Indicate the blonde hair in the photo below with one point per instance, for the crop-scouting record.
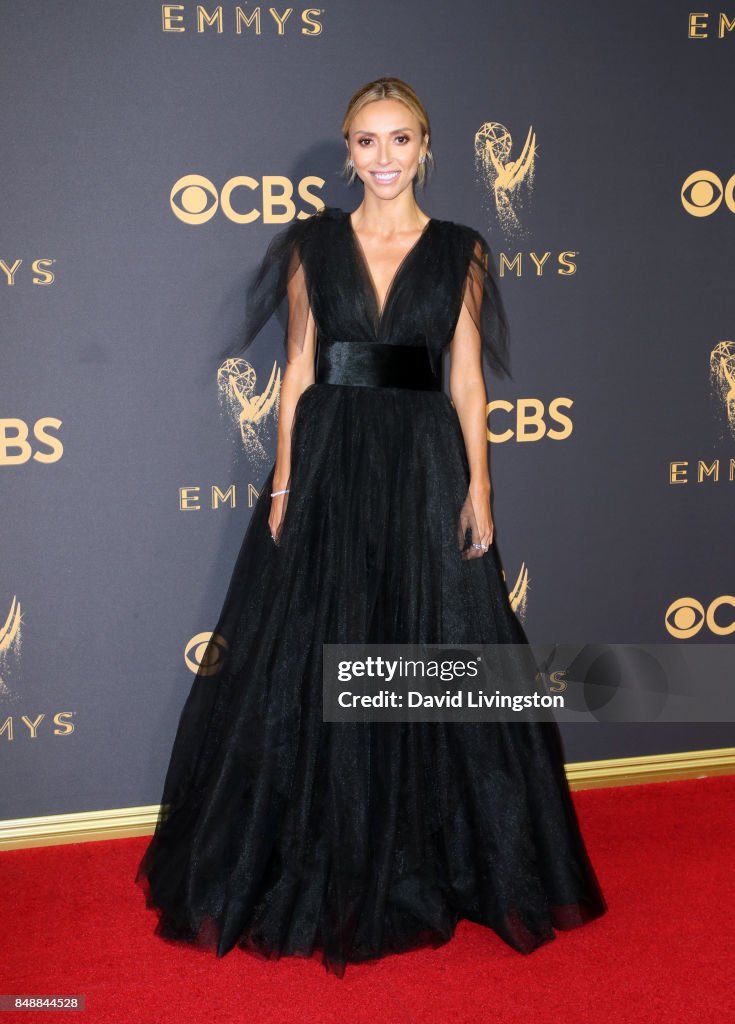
(388, 89)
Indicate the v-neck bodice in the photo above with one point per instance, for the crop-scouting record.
(316, 267)
(362, 258)
(424, 297)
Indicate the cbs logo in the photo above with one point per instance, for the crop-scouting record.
(702, 194)
(532, 419)
(686, 616)
(15, 444)
(194, 199)
(205, 654)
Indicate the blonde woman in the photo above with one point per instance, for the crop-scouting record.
(282, 833)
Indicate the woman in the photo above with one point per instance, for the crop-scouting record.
(285, 834)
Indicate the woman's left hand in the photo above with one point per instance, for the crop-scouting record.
(477, 517)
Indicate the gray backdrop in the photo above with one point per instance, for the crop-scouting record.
(110, 403)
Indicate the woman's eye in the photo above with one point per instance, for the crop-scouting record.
(398, 138)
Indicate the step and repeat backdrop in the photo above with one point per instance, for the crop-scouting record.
(150, 152)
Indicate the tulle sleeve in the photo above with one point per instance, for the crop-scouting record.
(481, 297)
(279, 286)
(484, 302)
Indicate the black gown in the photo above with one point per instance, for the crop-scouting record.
(284, 834)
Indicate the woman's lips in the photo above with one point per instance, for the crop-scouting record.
(385, 177)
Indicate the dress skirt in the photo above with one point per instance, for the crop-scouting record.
(284, 834)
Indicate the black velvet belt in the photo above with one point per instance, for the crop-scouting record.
(374, 364)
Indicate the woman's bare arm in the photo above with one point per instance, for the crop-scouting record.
(298, 375)
(469, 396)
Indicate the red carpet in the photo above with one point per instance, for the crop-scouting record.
(664, 853)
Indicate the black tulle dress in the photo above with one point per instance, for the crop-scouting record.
(287, 835)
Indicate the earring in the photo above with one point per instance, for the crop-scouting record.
(350, 164)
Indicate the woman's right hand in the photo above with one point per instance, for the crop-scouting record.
(277, 512)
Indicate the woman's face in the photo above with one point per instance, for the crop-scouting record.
(385, 144)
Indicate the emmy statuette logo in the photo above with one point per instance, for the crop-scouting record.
(722, 379)
(26, 725)
(507, 184)
(714, 469)
(255, 415)
(518, 596)
(10, 643)
(253, 412)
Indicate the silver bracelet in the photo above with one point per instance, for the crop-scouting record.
(274, 493)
